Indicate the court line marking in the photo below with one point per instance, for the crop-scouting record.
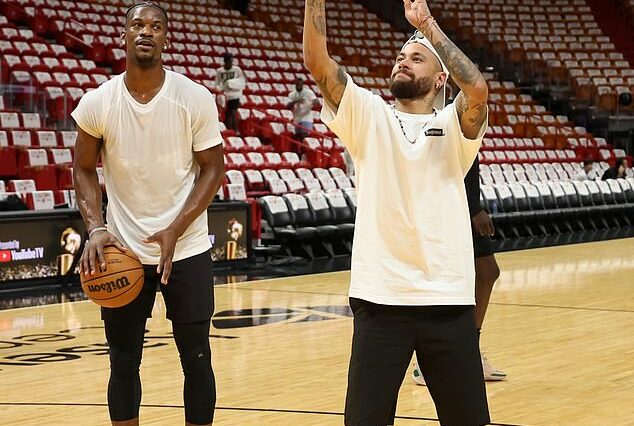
(575, 308)
(527, 305)
(270, 410)
(276, 279)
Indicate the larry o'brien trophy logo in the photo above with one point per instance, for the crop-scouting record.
(70, 242)
(234, 231)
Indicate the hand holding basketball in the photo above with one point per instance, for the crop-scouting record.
(116, 284)
(92, 259)
(166, 239)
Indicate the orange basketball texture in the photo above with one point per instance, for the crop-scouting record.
(119, 284)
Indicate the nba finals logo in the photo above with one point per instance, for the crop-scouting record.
(70, 243)
(234, 230)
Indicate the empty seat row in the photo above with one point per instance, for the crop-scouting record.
(538, 208)
(312, 224)
(258, 183)
(38, 138)
(42, 200)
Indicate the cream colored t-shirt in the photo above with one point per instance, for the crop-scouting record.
(148, 158)
(412, 241)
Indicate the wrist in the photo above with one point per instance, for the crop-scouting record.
(96, 230)
(176, 228)
(426, 24)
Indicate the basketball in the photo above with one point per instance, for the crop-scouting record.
(119, 284)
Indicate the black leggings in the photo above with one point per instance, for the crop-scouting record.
(124, 387)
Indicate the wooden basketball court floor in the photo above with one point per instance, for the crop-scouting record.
(561, 323)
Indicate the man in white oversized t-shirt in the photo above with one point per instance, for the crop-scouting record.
(412, 279)
(158, 135)
(302, 101)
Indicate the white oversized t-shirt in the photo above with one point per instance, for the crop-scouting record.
(303, 107)
(148, 158)
(412, 240)
(231, 81)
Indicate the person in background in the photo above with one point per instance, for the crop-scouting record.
(617, 171)
(302, 101)
(587, 173)
(231, 81)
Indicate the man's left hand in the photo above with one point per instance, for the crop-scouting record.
(166, 240)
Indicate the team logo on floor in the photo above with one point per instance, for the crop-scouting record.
(35, 349)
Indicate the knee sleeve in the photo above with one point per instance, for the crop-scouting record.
(124, 386)
(124, 364)
(195, 356)
(196, 362)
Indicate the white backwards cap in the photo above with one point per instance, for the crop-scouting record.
(418, 37)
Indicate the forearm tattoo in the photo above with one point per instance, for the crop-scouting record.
(332, 88)
(317, 13)
(463, 71)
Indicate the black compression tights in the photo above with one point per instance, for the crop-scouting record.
(124, 387)
(199, 390)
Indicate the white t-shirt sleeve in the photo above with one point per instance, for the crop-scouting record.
(205, 124)
(355, 112)
(89, 114)
(468, 148)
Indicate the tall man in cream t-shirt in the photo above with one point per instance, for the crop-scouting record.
(158, 135)
(412, 280)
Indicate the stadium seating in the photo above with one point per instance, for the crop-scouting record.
(559, 41)
(528, 158)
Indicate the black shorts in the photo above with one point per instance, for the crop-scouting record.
(189, 294)
(445, 341)
(482, 246)
(233, 105)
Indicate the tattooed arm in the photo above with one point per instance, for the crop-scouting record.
(330, 76)
(471, 103)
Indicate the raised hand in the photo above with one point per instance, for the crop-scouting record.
(417, 12)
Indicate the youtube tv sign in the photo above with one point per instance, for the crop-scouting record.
(36, 246)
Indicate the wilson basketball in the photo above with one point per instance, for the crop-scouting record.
(119, 284)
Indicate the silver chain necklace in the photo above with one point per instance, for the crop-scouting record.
(403, 127)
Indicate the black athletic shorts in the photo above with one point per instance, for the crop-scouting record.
(189, 294)
(482, 246)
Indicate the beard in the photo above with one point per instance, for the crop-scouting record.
(411, 89)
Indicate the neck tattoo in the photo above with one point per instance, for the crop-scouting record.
(403, 127)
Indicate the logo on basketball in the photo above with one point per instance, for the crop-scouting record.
(108, 287)
(119, 283)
